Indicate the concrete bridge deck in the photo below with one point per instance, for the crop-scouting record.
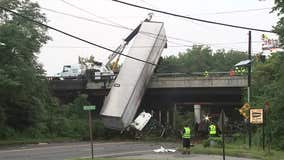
(157, 82)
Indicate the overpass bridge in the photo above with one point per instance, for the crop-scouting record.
(166, 93)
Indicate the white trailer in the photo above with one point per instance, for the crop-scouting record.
(123, 100)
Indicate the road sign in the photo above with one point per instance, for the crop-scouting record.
(243, 110)
(86, 108)
(256, 116)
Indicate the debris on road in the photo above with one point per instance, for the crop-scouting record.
(162, 149)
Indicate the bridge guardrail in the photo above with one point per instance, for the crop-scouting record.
(192, 74)
(195, 74)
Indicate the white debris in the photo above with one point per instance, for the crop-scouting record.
(42, 143)
(162, 149)
(141, 121)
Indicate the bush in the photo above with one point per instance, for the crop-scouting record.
(212, 141)
(7, 132)
(206, 143)
(99, 129)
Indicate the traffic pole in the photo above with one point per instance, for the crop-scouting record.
(91, 133)
(223, 134)
(263, 127)
(249, 82)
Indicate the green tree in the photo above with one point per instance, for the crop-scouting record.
(200, 59)
(279, 28)
(268, 83)
(24, 96)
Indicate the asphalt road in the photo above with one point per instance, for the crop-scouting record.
(76, 150)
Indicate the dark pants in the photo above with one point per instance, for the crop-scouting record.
(186, 142)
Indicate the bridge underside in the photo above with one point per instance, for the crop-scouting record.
(210, 99)
(168, 95)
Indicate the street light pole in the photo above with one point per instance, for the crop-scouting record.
(249, 81)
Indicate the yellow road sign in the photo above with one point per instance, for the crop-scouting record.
(243, 110)
(256, 116)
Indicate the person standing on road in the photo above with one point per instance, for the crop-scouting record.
(212, 130)
(186, 137)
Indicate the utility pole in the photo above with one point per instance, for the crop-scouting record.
(249, 82)
(223, 133)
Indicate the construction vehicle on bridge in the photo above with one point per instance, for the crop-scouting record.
(87, 69)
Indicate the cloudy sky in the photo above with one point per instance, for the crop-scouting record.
(103, 22)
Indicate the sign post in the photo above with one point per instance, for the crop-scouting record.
(89, 109)
(256, 117)
(223, 133)
(267, 106)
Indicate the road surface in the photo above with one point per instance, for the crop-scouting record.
(76, 150)
(125, 150)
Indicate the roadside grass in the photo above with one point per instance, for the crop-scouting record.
(105, 159)
(239, 151)
(22, 141)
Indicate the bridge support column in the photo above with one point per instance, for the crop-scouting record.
(197, 113)
(168, 117)
(174, 116)
(160, 117)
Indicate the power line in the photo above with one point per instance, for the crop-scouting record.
(235, 11)
(169, 46)
(73, 36)
(118, 26)
(82, 18)
(149, 4)
(88, 12)
(192, 18)
(173, 46)
(113, 25)
(122, 26)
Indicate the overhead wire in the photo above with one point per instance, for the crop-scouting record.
(235, 11)
(192, 18)
(113, 22)
(88, 12)
(169, 46)
(82, 18)
(114, 25)
(119, 26)
(73, 36)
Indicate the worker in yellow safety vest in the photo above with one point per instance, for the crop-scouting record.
(206, 74)
(186, 137)
(212, 130)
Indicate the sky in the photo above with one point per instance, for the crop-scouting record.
(106, 22)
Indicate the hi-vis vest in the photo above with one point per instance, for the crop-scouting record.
(212, 129)
(186, 133)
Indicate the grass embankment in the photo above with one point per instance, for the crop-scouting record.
(105, 159)
(240, 151)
